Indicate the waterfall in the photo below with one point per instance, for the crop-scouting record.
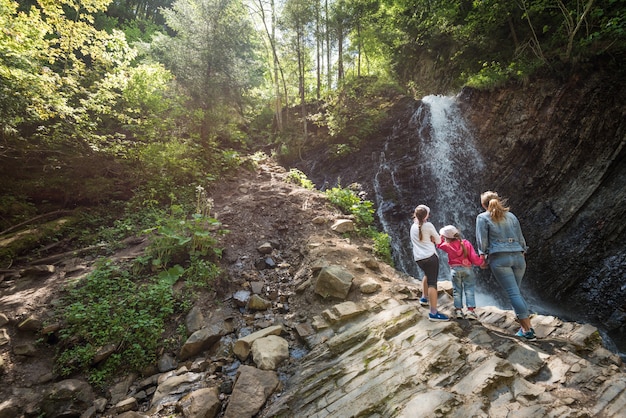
(430, 159)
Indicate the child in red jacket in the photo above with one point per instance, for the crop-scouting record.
(461, 257)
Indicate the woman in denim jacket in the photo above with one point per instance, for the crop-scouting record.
(500, 241)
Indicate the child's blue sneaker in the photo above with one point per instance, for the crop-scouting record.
(438, 317)
(528, 335)
(424, 301)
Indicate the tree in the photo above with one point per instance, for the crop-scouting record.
(297, 20)
(277, 74)
(212, 55)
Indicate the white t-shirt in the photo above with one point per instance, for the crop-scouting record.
(425, 247)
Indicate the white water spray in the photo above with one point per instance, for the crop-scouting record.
(437, 150)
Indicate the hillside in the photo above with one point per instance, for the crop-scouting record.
(371, 353)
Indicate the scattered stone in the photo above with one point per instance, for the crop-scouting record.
(30, 324)
(333, 281)
(269, 352)
(257, 303)
(167, 363)
(38, 271)
(371, 264)
(369, 286)
(103, 353)
(26, 349)
(265, 248)
(250, 392)
(202, 339)
(119, 390)
(257, 287)
(342, 226)
(175, 387)
(4, 337)
(51, 328)
(66, 398)
(241, 297)
(269, 263)
(201, 403)
(194, 320)
(243, 345)
(129, 404)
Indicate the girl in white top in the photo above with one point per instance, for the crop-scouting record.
(424, 236)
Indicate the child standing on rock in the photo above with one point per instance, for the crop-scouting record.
(461, 257)
(424, 237)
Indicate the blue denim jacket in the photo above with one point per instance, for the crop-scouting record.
(499, 237)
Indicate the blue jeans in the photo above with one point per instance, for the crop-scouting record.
(509, 269)
(463, 281)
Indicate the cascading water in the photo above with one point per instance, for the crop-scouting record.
(432, 160)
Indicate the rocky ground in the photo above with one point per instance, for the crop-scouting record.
(363, 350)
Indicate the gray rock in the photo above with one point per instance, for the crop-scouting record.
(194, 320)
(250, 392)
(201, 340)
(269, 352)
(201, 403)
(257, 303)
(167, 363)
(342, 226)
(67, 397)
(243, 345)
(333, 281)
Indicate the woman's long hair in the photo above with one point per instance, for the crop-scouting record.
(496, 206)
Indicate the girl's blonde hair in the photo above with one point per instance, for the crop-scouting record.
(496, 206)
(420, 214)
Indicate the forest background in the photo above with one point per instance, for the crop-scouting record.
(125, 112)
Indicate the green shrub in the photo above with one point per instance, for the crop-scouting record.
(298, 177)
(382, 245)
(111, 307)
(356, 110)
(351, 204)
(129, 305)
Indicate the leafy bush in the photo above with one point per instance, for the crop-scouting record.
(298, 177)
(129, 305)
(111, 307)
(351, 204)
(356, 111)
(382, 245)
(493, 74)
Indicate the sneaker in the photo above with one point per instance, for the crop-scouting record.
(438, 317)
(424, 301)
(471, 314)
(528, 335)
(459, 313)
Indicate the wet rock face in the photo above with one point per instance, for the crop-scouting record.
(556, 149)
